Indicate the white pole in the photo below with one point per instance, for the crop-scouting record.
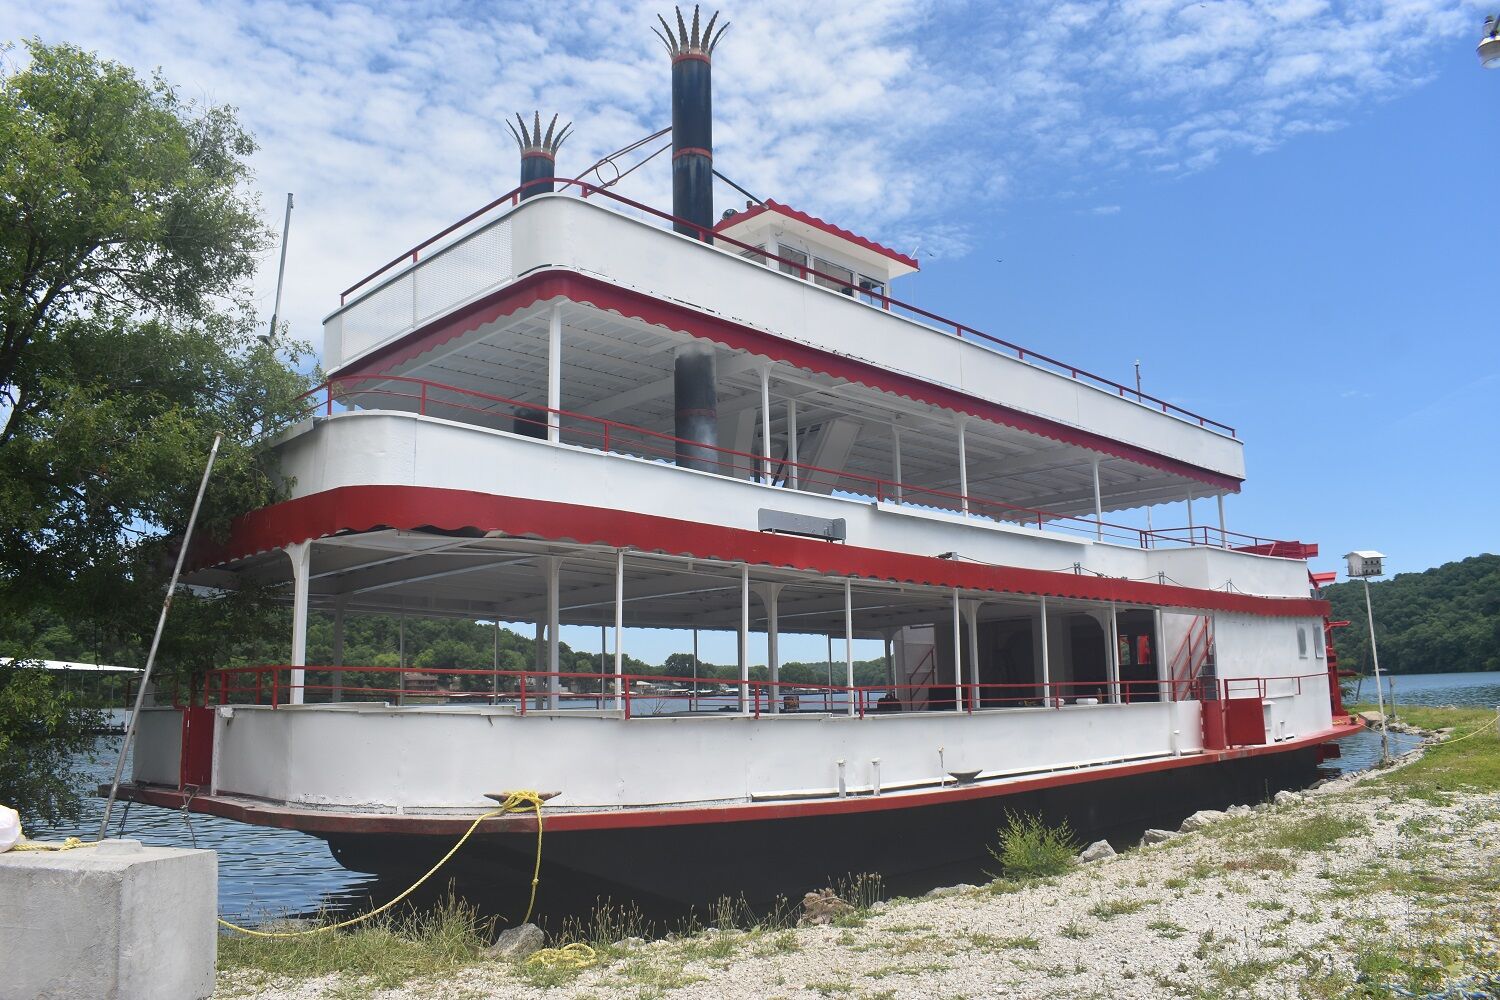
(286, 229)
(770, 596)
(973, 617)
(1223, 532)
(338, 650)
(765, 425)
(693, 701)
(827, 694)
(301, 555)
(963, 466)
(1047, 698)
(791, 442)
(161, 623)
(401, 659)
(554, 682)
(495, 668)
(619, 628)
(1385, 740)
(554, 373)
(1114, 655)
(1191, 526)
(603, 653)
(896, 462)
(958, 655)
(744, 637)
(1098, 504)
(849, 642)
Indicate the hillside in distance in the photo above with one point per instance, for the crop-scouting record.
(1442, 620)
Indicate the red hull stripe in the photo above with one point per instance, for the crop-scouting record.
(323, 822)
(408, 508)
(549, 284)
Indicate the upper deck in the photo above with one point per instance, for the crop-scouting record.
(469, 311)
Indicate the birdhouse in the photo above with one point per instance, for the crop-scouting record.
(1366, 563)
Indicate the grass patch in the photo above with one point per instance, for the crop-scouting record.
(1318, 832)
(990, 942)
(383, 953)
(1167, 929)
(1108, 909)
(1075, 931)
(1472, 765)
(1260, 861)
(1030, 849)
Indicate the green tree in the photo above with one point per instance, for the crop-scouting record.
(127, 235)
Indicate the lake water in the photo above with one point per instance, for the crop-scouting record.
(278, 872)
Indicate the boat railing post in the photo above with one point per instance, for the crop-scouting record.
(523, 692)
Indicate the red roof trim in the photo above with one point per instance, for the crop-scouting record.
(817, 223)
(409, 508)
(540, 286)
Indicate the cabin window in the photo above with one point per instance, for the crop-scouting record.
(1302, 641)
(845, 282)
(793, 261)
(870, 290)
(758, 254)
(1317, 645)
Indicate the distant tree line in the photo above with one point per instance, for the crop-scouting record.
(1442, 620)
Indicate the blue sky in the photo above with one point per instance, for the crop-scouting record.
(1283, 208)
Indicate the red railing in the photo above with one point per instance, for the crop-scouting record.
(487, 409)
(531, 689)
(962, 331)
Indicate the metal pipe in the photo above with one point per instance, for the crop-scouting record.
(1046, 659)
(963, 466)
(791, 442)
(958, 655)
(765, 426)
(744, 635)
(1098, 504)
(301, 555)
(286, 229)
(161, 623)
(1385, 738)
(619, 628)
(554, 374)
(849, 641)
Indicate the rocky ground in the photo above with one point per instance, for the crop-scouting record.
(1361, 887)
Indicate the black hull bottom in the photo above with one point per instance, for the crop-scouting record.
(670, 869)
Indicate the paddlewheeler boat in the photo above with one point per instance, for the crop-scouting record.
(574, 409)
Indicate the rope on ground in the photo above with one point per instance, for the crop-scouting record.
(514, 802)
(1460, 739)
(570, 956)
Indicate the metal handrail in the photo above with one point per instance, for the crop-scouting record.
(609, 434)
(754, 697)
(707, 234)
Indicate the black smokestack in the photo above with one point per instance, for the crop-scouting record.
(538, 152)
(692, 120)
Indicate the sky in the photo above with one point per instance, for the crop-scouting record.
(1283, 209)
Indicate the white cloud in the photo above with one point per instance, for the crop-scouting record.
(887, 116)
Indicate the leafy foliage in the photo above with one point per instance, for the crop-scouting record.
(43, 730)
(1441, 620)
(127, 235)
(1030, 848)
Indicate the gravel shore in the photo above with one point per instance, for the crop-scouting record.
(1308, 898)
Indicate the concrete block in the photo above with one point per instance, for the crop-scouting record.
(115, 921)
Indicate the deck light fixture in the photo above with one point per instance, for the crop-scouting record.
(1364, 564)
(1489, 45)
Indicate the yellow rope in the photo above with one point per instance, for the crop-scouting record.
(570, 956)
(514, 802)
(66, 845)
(1460, 739)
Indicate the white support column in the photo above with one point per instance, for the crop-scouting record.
(603, 668)
(849, 642)
(338, 650)
(619, 629)
(1191, 526)
(765, 425)
(770, 596)
(896, 462)
(971, 612)
(1223, 532)
(495, 667)
(791, 443)
(693, 701)
(1158, 658)
(1098, 504)
(744, 637)
(553, 568)
(890, 662)
(963, 465)
(554, 373)
(301, 555)
(1114, 655)
(958, 654)
(1047, 695)
(401, 659)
